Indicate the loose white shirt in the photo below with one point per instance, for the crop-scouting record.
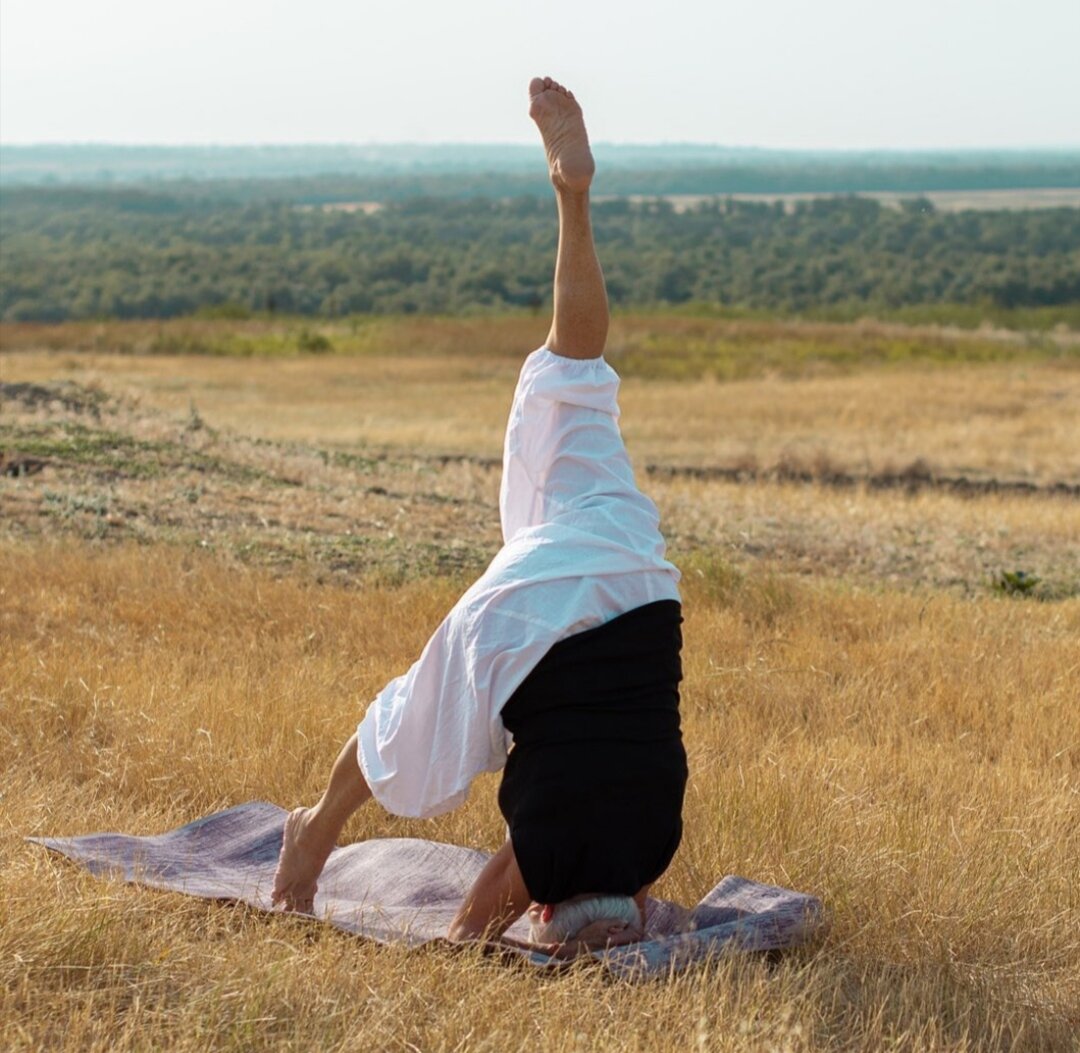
(582, 545)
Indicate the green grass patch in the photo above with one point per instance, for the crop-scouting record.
(699, 352)
(727, 344)
(119, 454)
(968, 316)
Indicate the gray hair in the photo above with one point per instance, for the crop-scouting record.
(572, 915)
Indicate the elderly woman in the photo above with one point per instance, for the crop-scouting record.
(566, 649)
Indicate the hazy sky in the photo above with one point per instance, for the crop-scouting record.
(784, 73)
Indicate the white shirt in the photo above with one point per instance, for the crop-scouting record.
(582, 545)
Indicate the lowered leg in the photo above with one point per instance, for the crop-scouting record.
(311, 833)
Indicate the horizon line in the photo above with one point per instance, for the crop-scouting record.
(495, 144)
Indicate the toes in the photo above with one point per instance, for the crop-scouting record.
(292, 902)
(538, 85)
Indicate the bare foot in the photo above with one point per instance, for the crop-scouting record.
(303, 856)
(558, 116)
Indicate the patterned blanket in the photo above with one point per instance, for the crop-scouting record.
(402, 890)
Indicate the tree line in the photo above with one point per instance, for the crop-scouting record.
(78, 252)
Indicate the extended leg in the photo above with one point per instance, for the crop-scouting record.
(311, 833)
(580, 323)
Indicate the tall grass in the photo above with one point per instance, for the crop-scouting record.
(911, 757)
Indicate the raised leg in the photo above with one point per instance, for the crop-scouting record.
(580, 323)
(311, 833)
(578, 330)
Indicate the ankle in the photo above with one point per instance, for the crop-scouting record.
(320, 829)
(577, 199)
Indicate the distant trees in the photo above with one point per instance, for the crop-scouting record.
(133, 252)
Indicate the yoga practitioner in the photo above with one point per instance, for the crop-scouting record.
(567, 646)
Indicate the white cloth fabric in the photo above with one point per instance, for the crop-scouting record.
(581, 545)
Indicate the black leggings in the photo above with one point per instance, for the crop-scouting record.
(593, 788)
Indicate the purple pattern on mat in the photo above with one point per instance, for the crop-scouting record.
(405, 890)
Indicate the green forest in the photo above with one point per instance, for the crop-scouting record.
(140, 251)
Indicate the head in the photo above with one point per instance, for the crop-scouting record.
(594, 921)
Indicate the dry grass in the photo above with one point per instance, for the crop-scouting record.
(913, 759)
(920, 540)
(192, 617)
(1012, 420)
(114, 471)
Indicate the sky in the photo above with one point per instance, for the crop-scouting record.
(835, 74)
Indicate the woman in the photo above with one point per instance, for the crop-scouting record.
(568, 645)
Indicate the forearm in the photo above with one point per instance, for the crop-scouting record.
(496, 900)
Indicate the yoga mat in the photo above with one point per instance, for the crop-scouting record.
(404, 890)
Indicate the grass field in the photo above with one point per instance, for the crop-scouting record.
(214, 549)
(942, 200)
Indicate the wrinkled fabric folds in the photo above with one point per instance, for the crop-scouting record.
(582, 545)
